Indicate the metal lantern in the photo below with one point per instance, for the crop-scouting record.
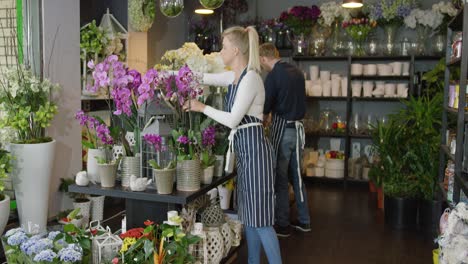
(155, 118)
(198, 250)
(106, 247)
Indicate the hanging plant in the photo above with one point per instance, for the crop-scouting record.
(141, 14)
(171, 8)
(211, 4)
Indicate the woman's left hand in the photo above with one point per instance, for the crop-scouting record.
(194, 105)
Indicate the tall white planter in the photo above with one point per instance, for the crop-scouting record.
(32, 169)
(224, 197)
(92, 165)
(4, 213)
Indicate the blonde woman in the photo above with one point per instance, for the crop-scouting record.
(243, 113)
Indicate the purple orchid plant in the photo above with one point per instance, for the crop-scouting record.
(97, 132)
(300, 19)
(156, 142)
(208, 142)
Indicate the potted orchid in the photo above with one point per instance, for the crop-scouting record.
(98, 140)
(390, 15)
(163, 165)
(207, 156)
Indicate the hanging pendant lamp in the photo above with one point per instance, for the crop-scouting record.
(352, 3)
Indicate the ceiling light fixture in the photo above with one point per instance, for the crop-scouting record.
(204, 11)
(352, 3)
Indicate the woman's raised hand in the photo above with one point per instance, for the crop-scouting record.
(194, 105)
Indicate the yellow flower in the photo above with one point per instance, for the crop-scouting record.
(127, 243)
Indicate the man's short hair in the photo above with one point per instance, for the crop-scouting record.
(269, 50)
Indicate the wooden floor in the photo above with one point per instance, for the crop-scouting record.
(347, 228)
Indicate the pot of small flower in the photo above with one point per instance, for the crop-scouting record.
(225, 192)
(107, 171)
(208, 160)
(164, 168)
(5, 168)
(358, 29)
(25, 100)
(188, 162)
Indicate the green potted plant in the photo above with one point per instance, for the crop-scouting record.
(79, 200)
(26, 101)
(5, 169)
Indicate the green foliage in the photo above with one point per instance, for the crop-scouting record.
(155, 165)
(207, 159)
(178, 246)
(408, 147)
(93, 40)
(5, 169)
(25, 100)
(171, 9)
(63, 187)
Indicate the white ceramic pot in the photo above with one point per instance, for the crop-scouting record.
(207, 175)
(326, 86)
(390, 89)
(31, 174)
(107, 174)
(219, 166)
(397, 68)
(317, 88)
(356, 69)
(92, 164)
(164, 180)
(335, 76)
(344, 86)
(130, 166)
(402, 90)
(4, 213)
(314, 72)
(335, 87)
(405, 68)
(384, 69)
(367, 86)
(356, 87)
(370, 69)
(225, 197)
(308, 88)
(324, 75)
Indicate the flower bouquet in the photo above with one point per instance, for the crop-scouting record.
(53, 247)
(331, 12)
(448, 11)
(358, 29)
(300, 19)
(425, 22)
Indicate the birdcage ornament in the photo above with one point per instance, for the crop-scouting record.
(197, 250)
(105, 247)
(213, 215)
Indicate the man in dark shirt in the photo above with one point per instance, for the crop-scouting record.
(285, 101)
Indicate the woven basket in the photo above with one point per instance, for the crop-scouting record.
(188, 175)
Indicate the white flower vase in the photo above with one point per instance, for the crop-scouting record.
(225, 197)
(85, 208)
(31, 172)
(4, 212)
(92, 165)
(207, 175)
(97, 207)
(214, 246)
(219, 166)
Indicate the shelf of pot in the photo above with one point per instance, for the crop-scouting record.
(177, 197)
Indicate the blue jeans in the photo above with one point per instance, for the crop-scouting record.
(286, 169)
(266, 236)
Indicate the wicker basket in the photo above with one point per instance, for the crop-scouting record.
(188, 175)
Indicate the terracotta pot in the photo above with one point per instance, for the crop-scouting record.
(372, 187)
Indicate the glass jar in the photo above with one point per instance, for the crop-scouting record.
(456, 46)
(373, 46)
(339, 126)
(405, 47)
(327, 118)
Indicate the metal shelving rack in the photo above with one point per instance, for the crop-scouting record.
(350, 101)
(459, 23)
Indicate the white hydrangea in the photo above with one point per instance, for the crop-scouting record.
(427, 18)
(445, 8)
(330, 11)
(216, 62)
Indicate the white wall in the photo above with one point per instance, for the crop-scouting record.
(61, 19)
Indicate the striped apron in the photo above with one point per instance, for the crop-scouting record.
(278, 125)
(255, 168)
